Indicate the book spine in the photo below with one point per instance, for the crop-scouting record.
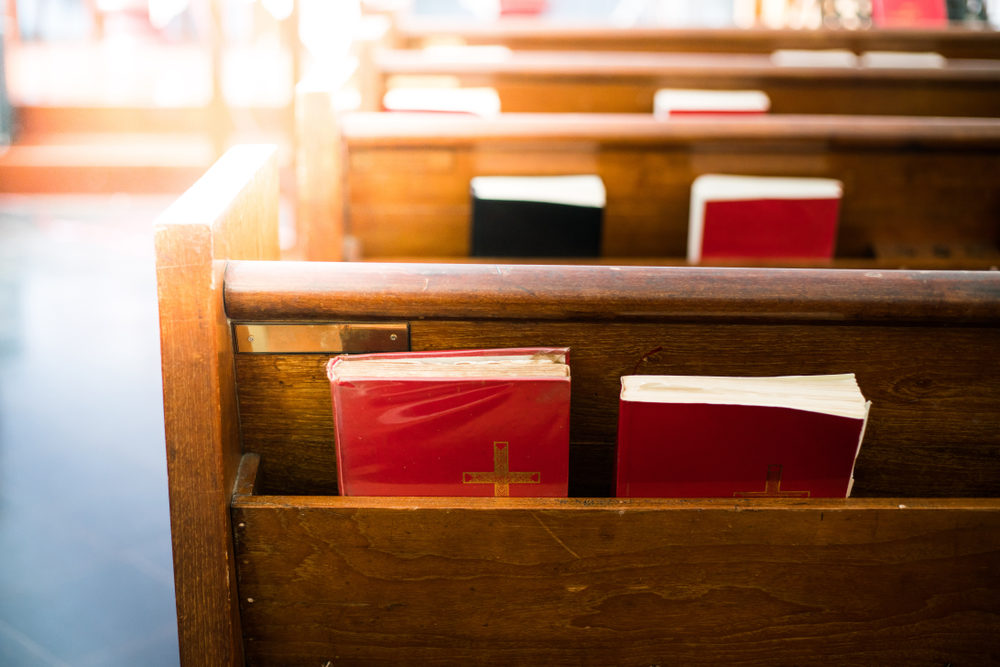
(621, 467)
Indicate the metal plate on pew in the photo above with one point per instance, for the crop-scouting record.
(323, 338)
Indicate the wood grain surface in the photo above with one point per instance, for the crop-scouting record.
(330, 290)
(232, 212)
(319, 196)
(459, 582)
(889, 576)
(911, 186)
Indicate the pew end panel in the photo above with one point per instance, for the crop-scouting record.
(231, 212)
(590, 580)
(319, 209)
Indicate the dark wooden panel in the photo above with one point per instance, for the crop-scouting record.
(603, 583)
(589, 94)
(286, 417)
(934, 429)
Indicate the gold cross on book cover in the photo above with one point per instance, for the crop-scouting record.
(501, 477)
(772, 487)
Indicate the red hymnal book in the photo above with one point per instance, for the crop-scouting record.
(908, 13)
(523, 7)
(452, 423)
(702, 437)
(751, 217)
(682, 102)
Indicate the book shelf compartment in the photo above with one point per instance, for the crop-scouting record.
(370, 577)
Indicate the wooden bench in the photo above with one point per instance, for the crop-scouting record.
(612, 82)
(916, 191)
(541, 35)
(273, 568)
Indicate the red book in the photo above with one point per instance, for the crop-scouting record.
(703, 437)
(750, 217)
(909, 13)
(682, 102)
(453, 423)
(523, 7)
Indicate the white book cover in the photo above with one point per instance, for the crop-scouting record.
(578, 190)
(477, 101)
(903, 60)
(672, 100)
(814, 58)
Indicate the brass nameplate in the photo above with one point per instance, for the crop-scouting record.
(321, 338)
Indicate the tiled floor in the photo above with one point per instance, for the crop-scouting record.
(85, 569)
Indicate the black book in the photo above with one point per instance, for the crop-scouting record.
(966, 10)
(537, 216)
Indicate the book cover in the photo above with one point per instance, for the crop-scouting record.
(968, 10)
(523, 7)
(837, 58)
(482, 102)
(750, 217)
(903, 60)
(681, 102)
(701, 437)
(537, 216)
(909, 13)
(452, 423)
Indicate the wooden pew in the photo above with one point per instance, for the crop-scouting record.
(274, 568)
(527, 34)
(916, 191)
(230, 213)
(610, 82)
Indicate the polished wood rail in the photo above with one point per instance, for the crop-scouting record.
(319, 290)
(415, 129)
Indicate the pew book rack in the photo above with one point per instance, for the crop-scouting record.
(272, 567)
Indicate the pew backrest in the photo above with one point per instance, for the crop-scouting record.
(537, 35)
(231, 213)
(622, 82)
(911, 186)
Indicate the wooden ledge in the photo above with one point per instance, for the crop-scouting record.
(395, 129)
(244, 497)
(284, 291)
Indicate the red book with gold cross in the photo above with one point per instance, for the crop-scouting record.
(739, 437)
(452, 423)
